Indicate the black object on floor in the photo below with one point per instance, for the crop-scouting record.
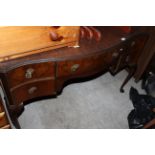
(143, 112)
(148, 84)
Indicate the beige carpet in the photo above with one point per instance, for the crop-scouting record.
(88, 105)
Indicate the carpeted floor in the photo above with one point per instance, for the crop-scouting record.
(95, 104)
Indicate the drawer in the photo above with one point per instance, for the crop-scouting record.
(136, 46)
(3, 116)
(130, 53)
(120, 62)
(6, 127)
(33, 90)
(30, 72)
(87, 65)
(3, 119)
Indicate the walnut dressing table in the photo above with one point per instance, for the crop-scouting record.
(44, 74)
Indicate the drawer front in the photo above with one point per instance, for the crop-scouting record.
(4, 123)
(130, 53)
(33, 90)
(30, 72)
(87, 65)
(136, 46)
(3, 119)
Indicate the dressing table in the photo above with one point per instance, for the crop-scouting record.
(44, 74)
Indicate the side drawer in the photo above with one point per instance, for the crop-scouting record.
(130, 53)
(30, 72)
(4, 123)
(136, 46)
(87, 65)
(33, 90)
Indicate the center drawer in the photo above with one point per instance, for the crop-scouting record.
(30, 72)
(87, 65)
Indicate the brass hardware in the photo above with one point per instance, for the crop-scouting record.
(121, 49)
(75, 67)
(133, 43)
(115, 55)
(127, 58)
(123, 39)
(29, 73)
(2, 115)
(32, 90)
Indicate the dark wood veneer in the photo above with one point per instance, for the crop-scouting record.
(33, 90)
(30, 72)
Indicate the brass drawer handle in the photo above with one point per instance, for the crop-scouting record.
(121, 49)
(123, 39)
(32, 90)
(2, 115)
(75, 67)
(115, 55)
(29, 73)
(133, 43)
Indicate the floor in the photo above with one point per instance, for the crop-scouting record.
(95, 104)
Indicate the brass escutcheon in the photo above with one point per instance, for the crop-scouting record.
(29, 73)
(75, 67)
(32, 90)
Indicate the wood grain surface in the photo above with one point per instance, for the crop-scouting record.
(18, 41)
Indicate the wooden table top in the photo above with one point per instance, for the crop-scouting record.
(110, 38)
(19, 41)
